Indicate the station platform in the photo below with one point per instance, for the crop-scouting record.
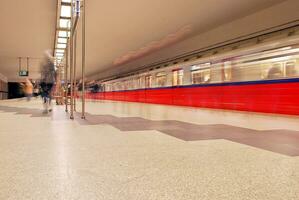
(145, 151)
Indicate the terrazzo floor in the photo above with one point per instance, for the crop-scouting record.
(142, 151)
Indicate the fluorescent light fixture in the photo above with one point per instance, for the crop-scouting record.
(65, 11)
(62, 40)
(279, 59)
(66, 1)
(59, 54)
(63, 34)
(59, 50)
(64, 23)
(61, 46)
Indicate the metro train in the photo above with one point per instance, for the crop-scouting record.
(259, 78)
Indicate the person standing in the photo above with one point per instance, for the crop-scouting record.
(28, 89)
(47, 82)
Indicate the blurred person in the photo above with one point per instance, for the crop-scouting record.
(35, 88)
(28, 89)
(47, 80)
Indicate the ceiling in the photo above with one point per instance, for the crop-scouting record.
(118, 33)
(27, 30)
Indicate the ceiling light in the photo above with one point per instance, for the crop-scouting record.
(63, 34)
(66, 1)
(62, 40)
(64, 23)
(59, 50)
(65, 11)
(61, 46)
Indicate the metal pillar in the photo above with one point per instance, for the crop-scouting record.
(83, 59)
(65, 76)
(71, 62)
(75, 66)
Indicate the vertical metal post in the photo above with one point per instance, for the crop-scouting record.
(83, 59)
(71, 61)
(75, 63)
(20, 64)
(66, 82)
(27, 64)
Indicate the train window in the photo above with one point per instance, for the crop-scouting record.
(161, 79)
(148, 81)
(291, 69)
(125, 85)
(130, 84)
(201, 73)
(177, 77)
(108, 87)
(227, 71)
(250, 72)
(121, 85)
(114, 86)
(275, 71)
(138, 83)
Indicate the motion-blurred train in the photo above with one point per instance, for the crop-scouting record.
(262, 78)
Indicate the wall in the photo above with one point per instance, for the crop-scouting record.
(3, 87)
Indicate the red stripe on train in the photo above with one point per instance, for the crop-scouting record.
(282, 98)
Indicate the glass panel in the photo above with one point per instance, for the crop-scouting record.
(177, 77)
(291, 68)
(148, 81)
(201, 76)
(142, 82)
(258, 71)
(180, 77)
(201, 73)
(227, 71)
(161, 79)
(275, 71)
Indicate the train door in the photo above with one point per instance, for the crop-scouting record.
(177, 77)
(148, 81)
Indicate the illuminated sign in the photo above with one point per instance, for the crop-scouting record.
(23, 73)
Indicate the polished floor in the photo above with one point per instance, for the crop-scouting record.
(142, 151)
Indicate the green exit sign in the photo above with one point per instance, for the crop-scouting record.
(23, 73)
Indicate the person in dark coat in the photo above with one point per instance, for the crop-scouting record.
(48, 76)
